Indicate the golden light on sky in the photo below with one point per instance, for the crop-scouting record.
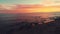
(41, 9)
(30, 6)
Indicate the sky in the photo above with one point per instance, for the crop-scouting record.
(27, 1)
(20, 1)
(37, 5)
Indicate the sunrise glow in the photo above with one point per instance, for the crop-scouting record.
(40, 9)
(30, 6)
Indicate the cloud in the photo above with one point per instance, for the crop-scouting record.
(21, 8)
(7, 7)
(18, 6)
(50, 2)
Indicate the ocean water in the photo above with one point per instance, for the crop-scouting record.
(9, 18)
(11, 23)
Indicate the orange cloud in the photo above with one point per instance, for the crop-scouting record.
(30, 8)
(40, 9)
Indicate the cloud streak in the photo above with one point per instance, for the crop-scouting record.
(21, 8)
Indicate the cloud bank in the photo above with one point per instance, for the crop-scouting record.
(22, 8)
